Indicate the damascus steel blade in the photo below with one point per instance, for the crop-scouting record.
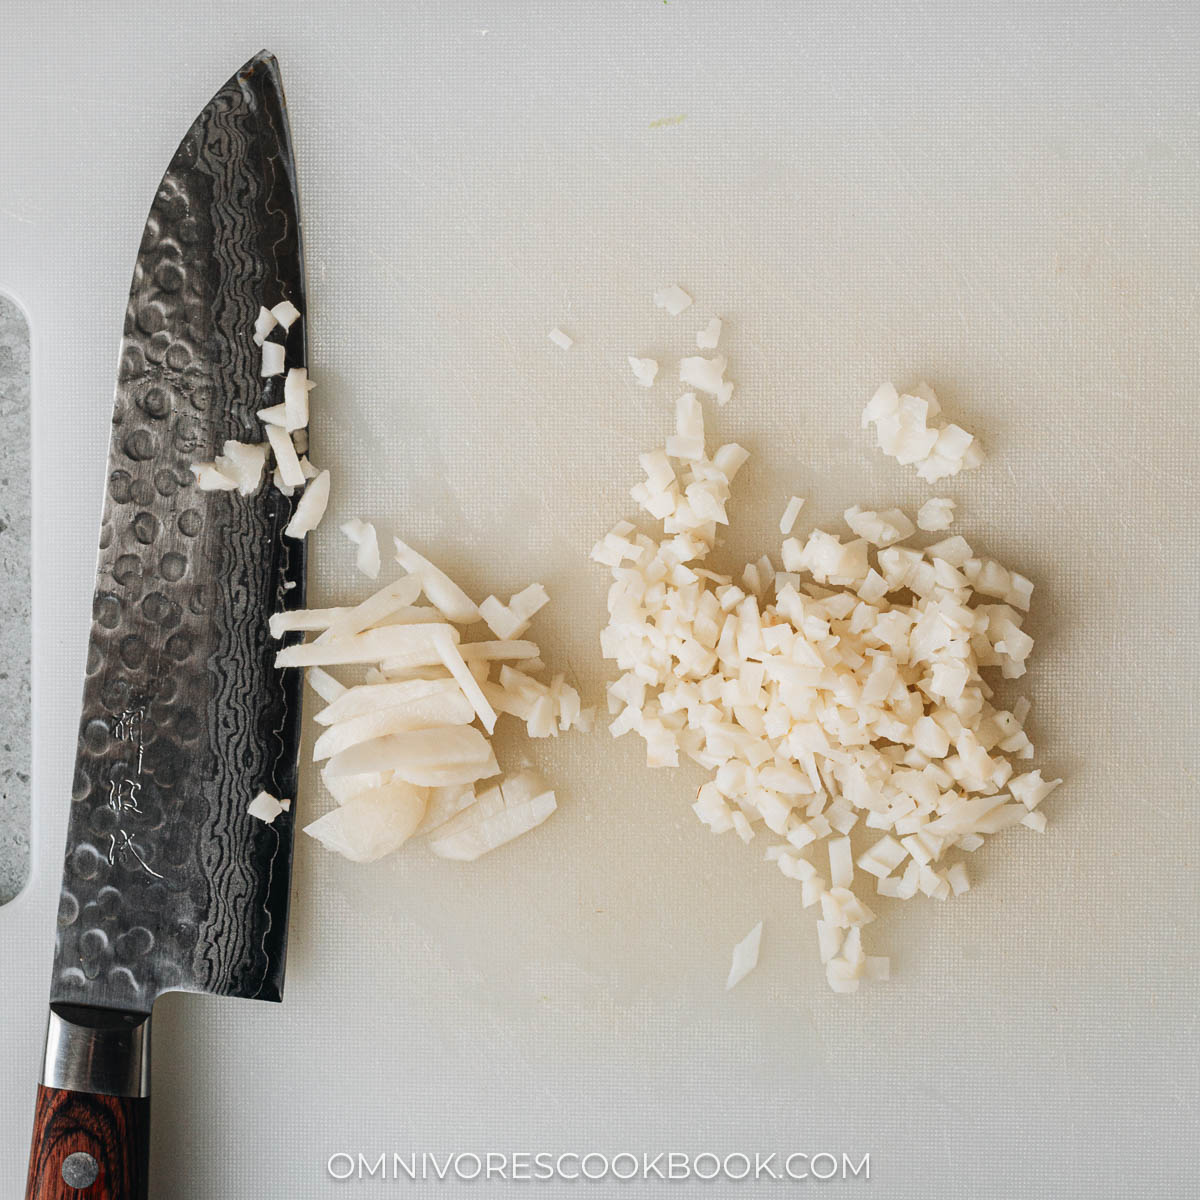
(168, 884)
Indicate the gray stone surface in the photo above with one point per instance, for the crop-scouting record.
(15, 606)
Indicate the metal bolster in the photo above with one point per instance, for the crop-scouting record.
(97, 1050)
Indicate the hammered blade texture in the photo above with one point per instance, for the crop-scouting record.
(167, 883)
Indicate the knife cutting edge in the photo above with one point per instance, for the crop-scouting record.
(168, 884)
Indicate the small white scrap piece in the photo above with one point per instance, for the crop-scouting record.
(285, 312)
(560, 339)
(310, 508)
(644, 370)
(707, 375)
(885, 403)
(528, 601)
(1031, 789)
(266, 807)
(936, 514)
(904, 432)
(741, 823)
(500, 619)
(674, 299)
(363, 535)
(688, 440)
(829, 940)
(708, 337)
(443, 593)
(272, 359)
(955, 450)
(881, 529)
(510, 620)
(210, 479)
(730, 459)
(263, 325)
(286, 461)
(745, 957)
(841, 865)
(296, 387)
(243, 462)
(240, 467)
(790, 513)
(324, 684)
(275, 415)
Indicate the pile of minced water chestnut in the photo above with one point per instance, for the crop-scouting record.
(839, 699)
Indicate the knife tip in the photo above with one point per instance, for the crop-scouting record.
(264, 60)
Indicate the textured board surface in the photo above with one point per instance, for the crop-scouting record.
(999, 201)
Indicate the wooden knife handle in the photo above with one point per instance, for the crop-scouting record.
(88, 1147)
(91, 1130)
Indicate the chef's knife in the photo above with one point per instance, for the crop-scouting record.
(168, 883)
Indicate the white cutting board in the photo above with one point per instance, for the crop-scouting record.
(999, 200)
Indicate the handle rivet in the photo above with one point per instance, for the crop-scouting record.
(80, 1170)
